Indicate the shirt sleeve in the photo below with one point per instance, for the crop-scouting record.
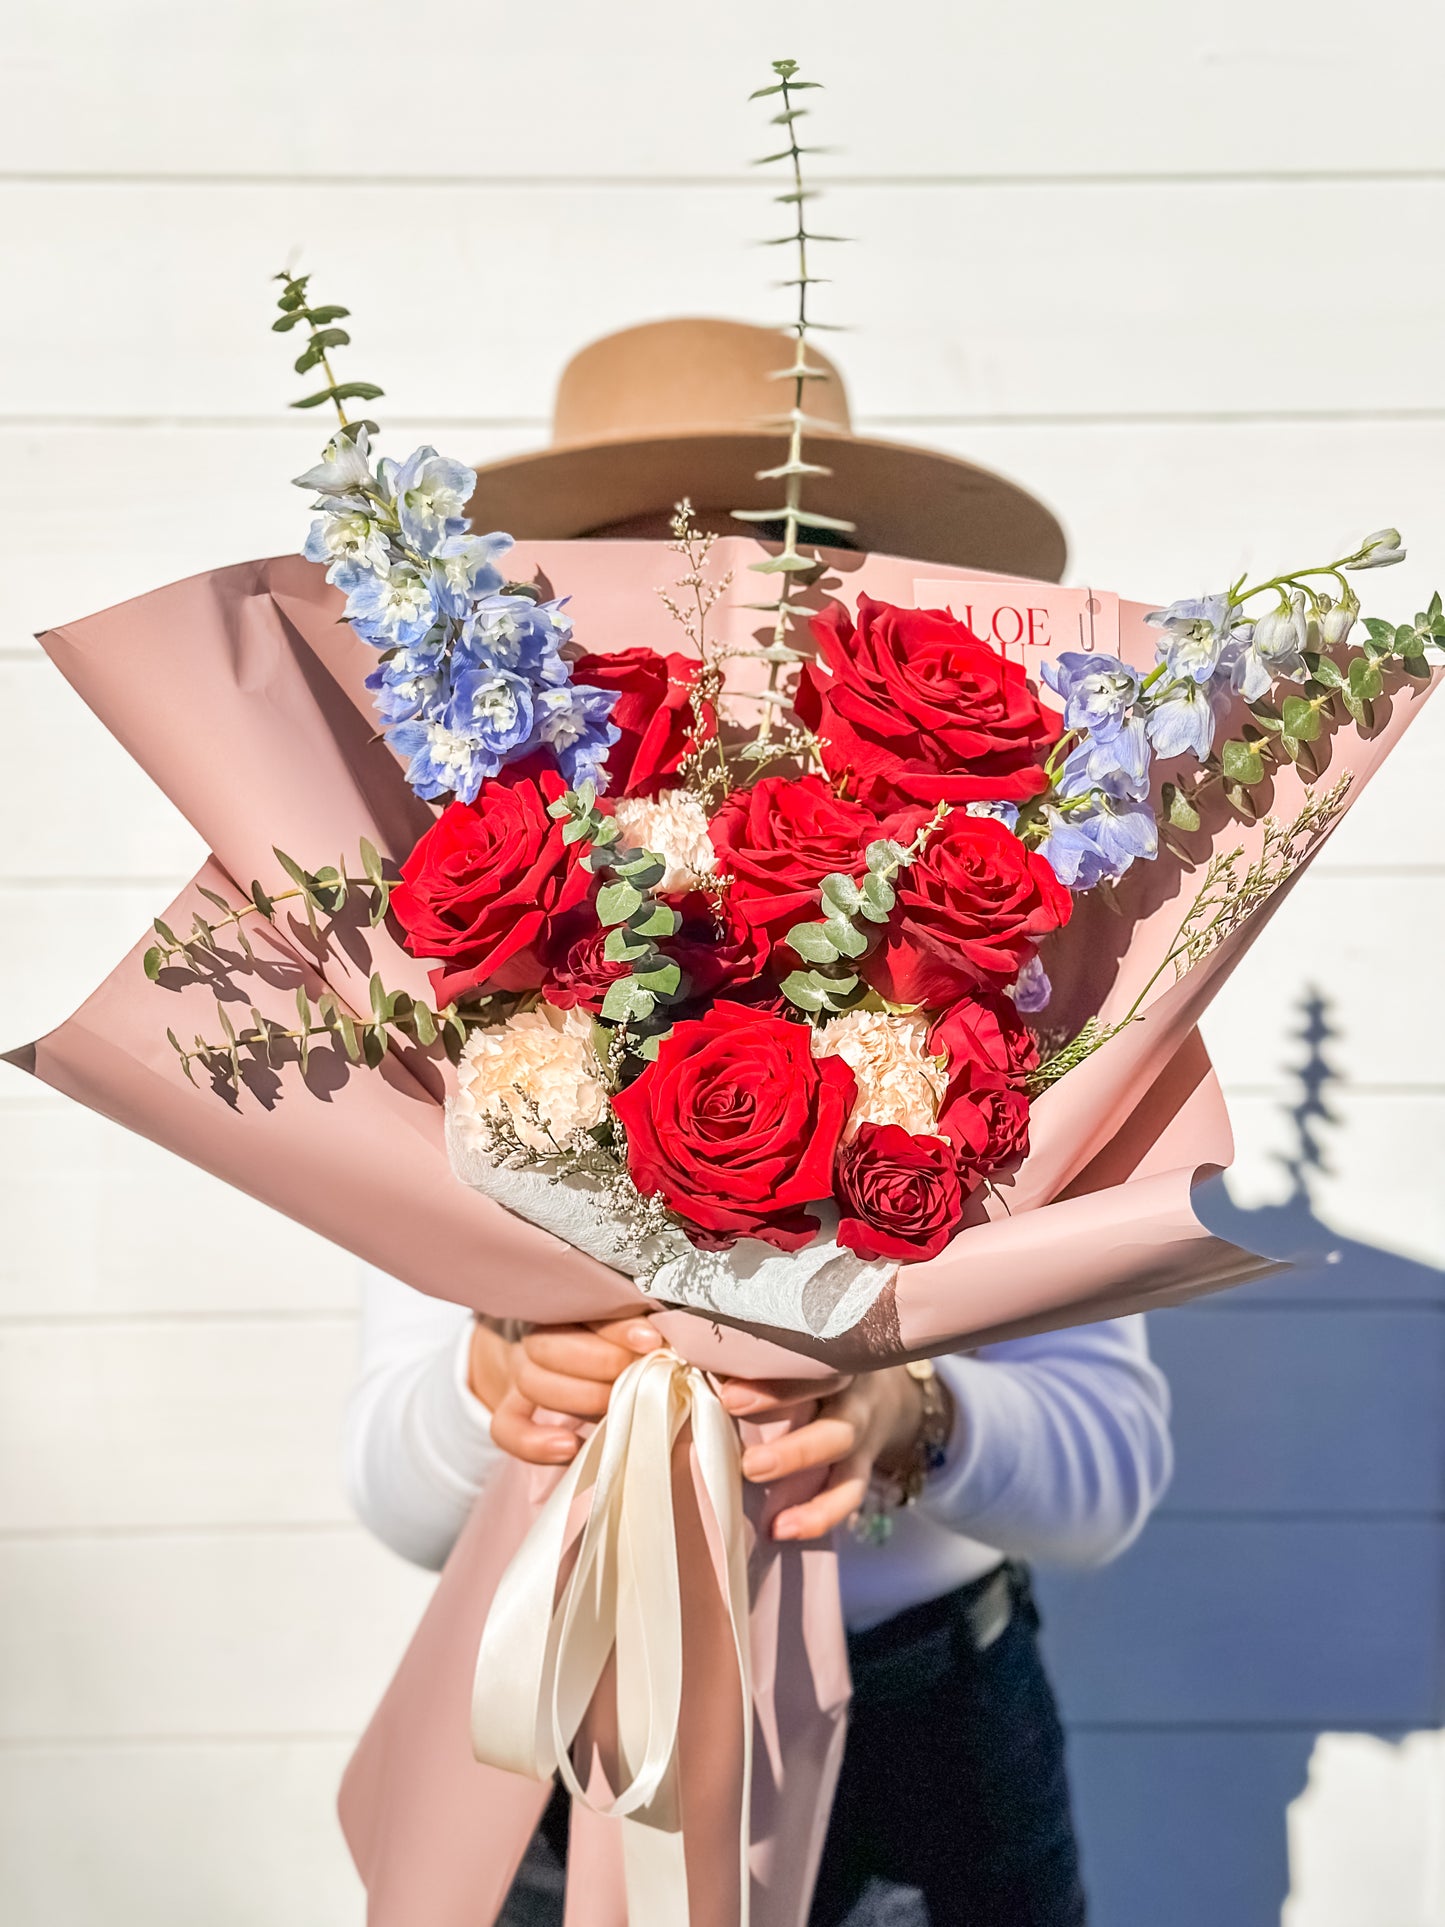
(418, 1444)
(1060, 1447)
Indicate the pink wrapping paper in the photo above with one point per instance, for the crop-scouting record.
(241, 694)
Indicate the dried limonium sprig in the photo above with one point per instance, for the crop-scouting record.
(790, 563)
(1226, 898)
(704, 770)
(650, 1234)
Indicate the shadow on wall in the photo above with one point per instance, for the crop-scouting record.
(1290, 1586)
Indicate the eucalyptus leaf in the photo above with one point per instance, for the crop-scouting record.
(656, 920)
(616, 901)
(1301, 719)
(152, 963)
(845, 938)
(878, 897)
(663, 980)
(812, 943)
(841, 895)
(1242, 762)
(1179, 808)
(623, 945)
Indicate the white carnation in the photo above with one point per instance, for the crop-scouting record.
(899, 1081)
(675, 828)
(542, 1058)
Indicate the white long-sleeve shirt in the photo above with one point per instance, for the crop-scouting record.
(1060, 1450)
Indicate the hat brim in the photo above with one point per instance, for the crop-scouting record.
(904, 500)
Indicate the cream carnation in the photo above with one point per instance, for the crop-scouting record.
(899, 1082)
(542, 1057)
(675, 828)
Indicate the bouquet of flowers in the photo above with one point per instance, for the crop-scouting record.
(830, 980)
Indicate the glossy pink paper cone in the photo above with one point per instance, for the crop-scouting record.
(263, 735)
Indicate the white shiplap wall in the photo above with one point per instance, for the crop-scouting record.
(1178, 272)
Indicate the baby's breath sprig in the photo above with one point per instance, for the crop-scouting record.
(790, 563)
(635, 920)
(832, 945)
(323, 335)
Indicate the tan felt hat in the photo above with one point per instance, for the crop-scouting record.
(674, 408)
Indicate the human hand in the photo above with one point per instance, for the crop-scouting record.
(569, 1369)
(869, 1425)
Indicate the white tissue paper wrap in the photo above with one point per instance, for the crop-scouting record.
(823, 1289)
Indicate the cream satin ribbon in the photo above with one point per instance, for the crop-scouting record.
(547, 1640)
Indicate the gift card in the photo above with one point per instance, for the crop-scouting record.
(1026, 621)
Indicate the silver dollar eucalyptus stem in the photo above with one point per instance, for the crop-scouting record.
(789, 563)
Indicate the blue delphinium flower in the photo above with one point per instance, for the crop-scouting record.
(410, 683)
(391, 610)
(1101, 840)
(1005, 813)
(344, 468)
(1115, 760)
(1183, 717)
(441, 761)
(493, 706)
(348, 542)
(572, 722)
(1197, 631)
(431, 491)
(514, 632)
(465, 570)
(1272, 649)
(1032, 990)
(1098, 690)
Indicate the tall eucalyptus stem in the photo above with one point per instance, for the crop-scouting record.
(790, 564)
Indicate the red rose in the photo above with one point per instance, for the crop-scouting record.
(970, 911)
(718, 950)
(576, 971)
(653, 711)
(484, 885)
(900, 1196)
(779, 839)
(735, 1122)
(918, 710)
(986, 1033)
(987, 1123)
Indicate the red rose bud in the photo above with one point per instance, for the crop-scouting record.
(653, 711)
(576, 972)
(735, 1123)
(917, 709)
(779, 839)
(986, 1033)
(484, 886)
(970, 911)
(900, 1196)
(987, 1122)
(715, 949)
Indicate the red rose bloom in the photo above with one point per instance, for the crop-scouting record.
(653, 711)
(969, 912)
(484, 885)
(985, 1033)
(779, 839)
(735, 1123)
(576, 972)
(900, 1196)
(987, 1123)
(918, 710)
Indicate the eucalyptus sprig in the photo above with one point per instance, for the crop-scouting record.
(322, 336)
(321, 893)
(835, 942)
(634, 917)
(790, 563)
(364, 1040)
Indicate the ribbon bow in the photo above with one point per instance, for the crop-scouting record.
(548, 1638)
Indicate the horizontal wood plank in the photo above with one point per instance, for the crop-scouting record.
(214, 1423)
(1311, 1411)
(1019, 303)
(195, 1635)
(1331, 1623)
(170, 1836)
(1036, 89)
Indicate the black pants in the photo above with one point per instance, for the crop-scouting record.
(953, 1784)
